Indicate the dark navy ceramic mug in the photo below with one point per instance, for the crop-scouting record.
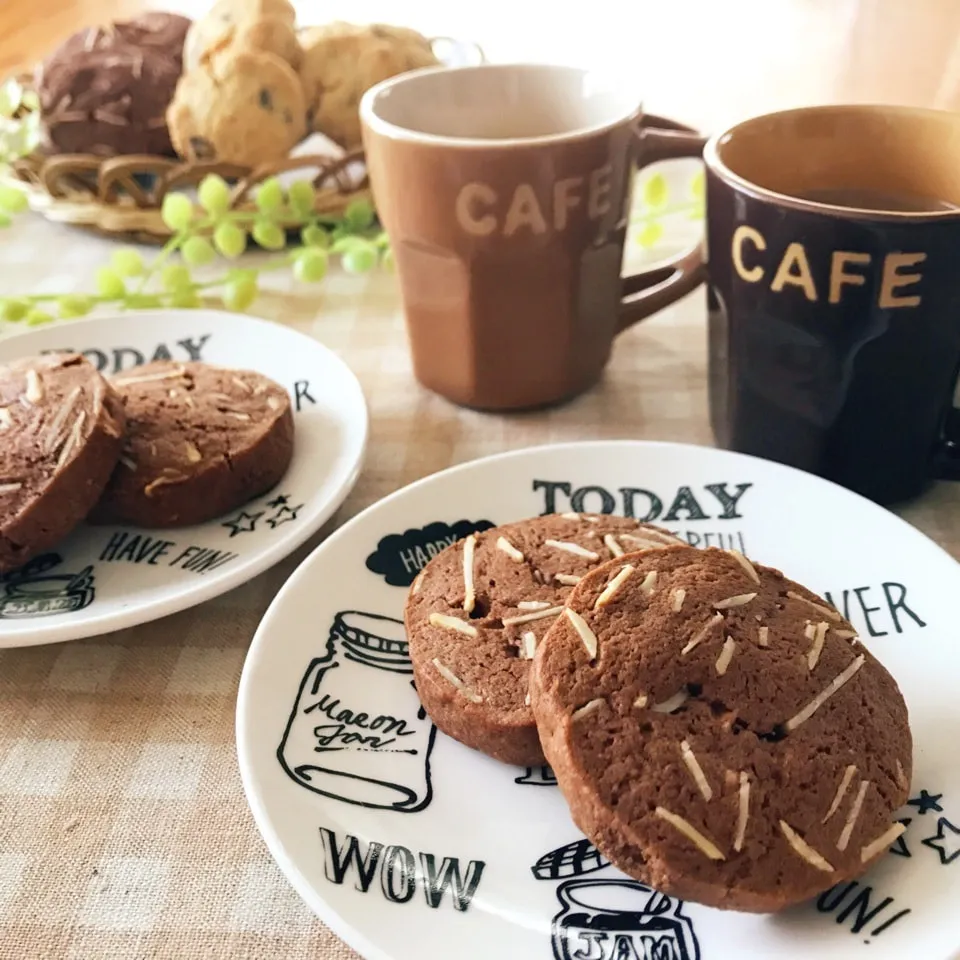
(833, 248)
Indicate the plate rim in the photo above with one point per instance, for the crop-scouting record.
(352, 936)
(205, 590)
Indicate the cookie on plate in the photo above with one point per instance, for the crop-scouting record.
(201, 441)
(477, 611)
(61, 431)
(341, 61)
(718, 731)
(239, 106)
(105, 90)
(264, 25)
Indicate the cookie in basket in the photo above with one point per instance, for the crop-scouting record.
(166, 31)
(156, 30)
(105, 90)
(341, 61)
(238, 106)
(265, 25)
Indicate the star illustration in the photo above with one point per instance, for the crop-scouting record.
(900, 844)
(947, 846)
(280, 501)
(284, 515)
(926, 802)
(243, 522)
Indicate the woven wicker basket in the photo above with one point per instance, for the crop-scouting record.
(120, 197)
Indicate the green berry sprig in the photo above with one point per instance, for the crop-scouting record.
(201, 235)
(19, 121)
(656, 205)
(19, 135)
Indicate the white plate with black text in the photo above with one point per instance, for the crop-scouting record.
(104, 578)
(413, 847)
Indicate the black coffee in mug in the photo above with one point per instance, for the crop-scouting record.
(833, 248)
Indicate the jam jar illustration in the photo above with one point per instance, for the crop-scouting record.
(357, 732)
(614, 919)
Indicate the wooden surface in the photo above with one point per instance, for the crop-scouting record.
(705, 61)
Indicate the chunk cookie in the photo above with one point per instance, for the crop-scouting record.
(61, 431)
(719, 731)
(239, 106)
(265, 25)
(201, 441)
(477, 611)
(341, 61)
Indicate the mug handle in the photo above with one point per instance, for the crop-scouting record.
(946, 460)
(651, 290)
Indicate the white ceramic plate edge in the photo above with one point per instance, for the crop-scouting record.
(350, 935)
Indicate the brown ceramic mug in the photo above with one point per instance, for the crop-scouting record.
(505, 191)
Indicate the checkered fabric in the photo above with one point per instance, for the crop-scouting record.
(124, 832)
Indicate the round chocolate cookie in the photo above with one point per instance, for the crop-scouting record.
(719, 731)
(477, 611)
(105, 90)
(61, 431)
(201, 441)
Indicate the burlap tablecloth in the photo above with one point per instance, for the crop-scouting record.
(124, 832)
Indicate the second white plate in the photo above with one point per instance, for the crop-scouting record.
(106, 578)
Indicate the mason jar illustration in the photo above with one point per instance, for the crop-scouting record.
(610, 919)
(357, 732)
(537, 777)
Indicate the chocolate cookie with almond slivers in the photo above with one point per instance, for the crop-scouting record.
(201, 441)
(477, 611)
(61, 431)
(720, 732)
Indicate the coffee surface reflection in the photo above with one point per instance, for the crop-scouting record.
(857, 198)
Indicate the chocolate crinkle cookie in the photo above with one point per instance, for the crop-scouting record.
(201, 441)
(478, 610)
(106, 90)
(719, 731)
(61, 432)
